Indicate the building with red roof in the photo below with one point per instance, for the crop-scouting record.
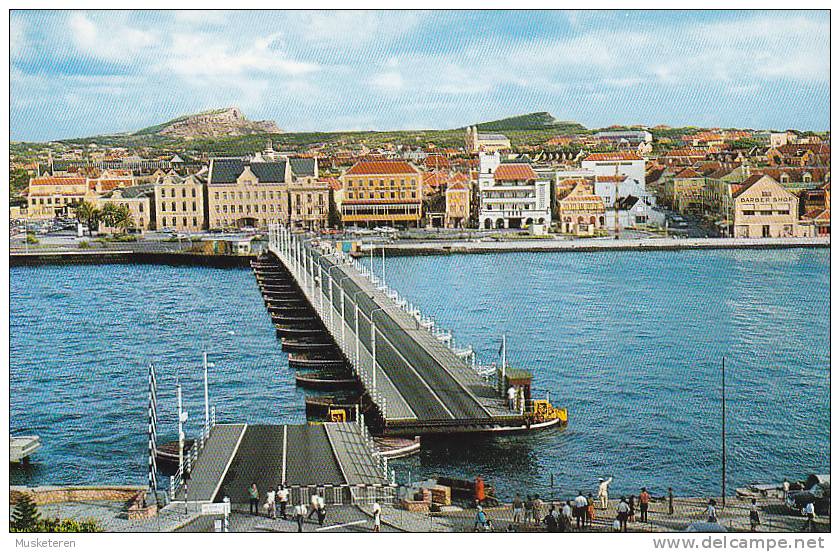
(377, 192)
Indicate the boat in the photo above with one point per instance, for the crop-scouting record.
(166, 456)
(22, 447)
(325, 380)
(282, 320)
(320, 406)
(301, 345)
(297, 360)
(396, 447)
(299, 332)
(289, 310)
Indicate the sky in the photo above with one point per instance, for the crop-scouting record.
(78, 74)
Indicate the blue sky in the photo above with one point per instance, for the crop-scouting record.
(76, 74)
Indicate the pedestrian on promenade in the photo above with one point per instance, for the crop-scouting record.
(300, 511)
(270, 504)
(579, 510)
(785, 487)
(644, 504)
(755, 521)
(322, 510)
(283, 498)
(550, 520)
(809, 512)
(481, 522)
(537, 510)
(377, 517)
(567, 515)
(632, 503)
(511, 395)
(529, 509)
(604, 492)
(711, 511)
(670, 501)
(517, 507)
(313, 504)
(590, 510)
(622, 513)
(253, 500)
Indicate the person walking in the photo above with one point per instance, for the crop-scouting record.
(579, 510)
(670, 501)
(313, 504)
(550, 520)
(711, 511)
(377, 517)
(537, 510)
(270, 504)
(809, 512)
(283, 499)
(300, 511)
(567, 515)
(632, 503)
(253, 500)
(511, 395)
(644, 504)
(604, 492)
(517, 506)
(480, 520)
(623, 513)
(755, 521)
(322, 510)
(590, 510)
(529, 509)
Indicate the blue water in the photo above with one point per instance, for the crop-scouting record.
(630, 342)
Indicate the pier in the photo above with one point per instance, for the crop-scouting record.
(417, 381)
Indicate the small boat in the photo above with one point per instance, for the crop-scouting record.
(325, 380)
(289, 302)
(22, 447)
(319, 406)
(281, 320)
(297, 360)
(290, 294)
(396, 447)
(299, 345)
(300, 332)
(166, 456)
(290, 310)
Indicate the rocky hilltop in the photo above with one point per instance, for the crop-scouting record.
(212, 124)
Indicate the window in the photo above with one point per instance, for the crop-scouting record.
(193, 192)
(163, 224)
(183, 192)
(195, 221)
(217, 196)
(141, 207)
(194, 206)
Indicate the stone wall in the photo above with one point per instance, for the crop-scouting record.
(52, 495)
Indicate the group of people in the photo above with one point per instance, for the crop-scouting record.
(280, 498)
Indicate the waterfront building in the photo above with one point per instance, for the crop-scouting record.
(458, 196)
(180, 203)
(581, 212)
(512, 195)
(478, 141)
(111, 179)
(245, 193)
(684, 192)
(764, 209)
(382, 192)
(819, 214)
(51, 196)
(140, 202)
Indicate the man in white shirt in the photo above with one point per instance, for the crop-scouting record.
(283, 499)
(300, 511)
(580, 510)
(604, 491)
(511, 395)
(377, 517)
(809, 512)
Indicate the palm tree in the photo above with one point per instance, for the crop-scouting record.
(123, 219)
(87, 213)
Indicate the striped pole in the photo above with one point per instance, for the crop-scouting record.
(152, 430)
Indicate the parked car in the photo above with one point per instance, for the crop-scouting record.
(817, 489)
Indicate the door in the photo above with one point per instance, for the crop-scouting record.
(765, 231)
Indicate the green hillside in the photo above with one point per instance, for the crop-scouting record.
(532, 121)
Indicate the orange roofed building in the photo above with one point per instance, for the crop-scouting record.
(382, 192)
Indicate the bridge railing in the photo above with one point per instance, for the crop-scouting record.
(177, 480)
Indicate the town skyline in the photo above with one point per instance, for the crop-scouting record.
(121, 71)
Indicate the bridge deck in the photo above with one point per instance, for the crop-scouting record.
(213, 462)
(423, 382)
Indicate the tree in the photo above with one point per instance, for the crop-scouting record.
(25, 516)
(87, 213)
(116, 216)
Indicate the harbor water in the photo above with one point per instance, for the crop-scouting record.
(630, 342)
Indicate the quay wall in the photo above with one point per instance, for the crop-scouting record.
(53, 495)
(128, 257)
(443, 247)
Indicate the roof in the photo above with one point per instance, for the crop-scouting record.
(58, 181)
(302, 166)
(613, 156)
(750, 181)
(820, 215)
(627, 203)
(227, 171)
(612, 178)
(499, 137)
(654, 175)
(685, 152)
(515, 171)
(382, 167)
(688, 172)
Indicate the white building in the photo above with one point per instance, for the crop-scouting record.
(511, 195)
(633, 137)
(622, 170)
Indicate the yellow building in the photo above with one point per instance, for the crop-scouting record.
(52, 196)
(581, 212)
(382, 192)
(179, 204)
(458, 201)
(685, 191)
(475, 141)
(764, 209)
(138, 199)
(255, 193)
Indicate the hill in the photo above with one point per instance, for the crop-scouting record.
(541, 120)
(210, 124)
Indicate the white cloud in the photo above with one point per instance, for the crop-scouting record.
(114, 41)
(391, 81)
